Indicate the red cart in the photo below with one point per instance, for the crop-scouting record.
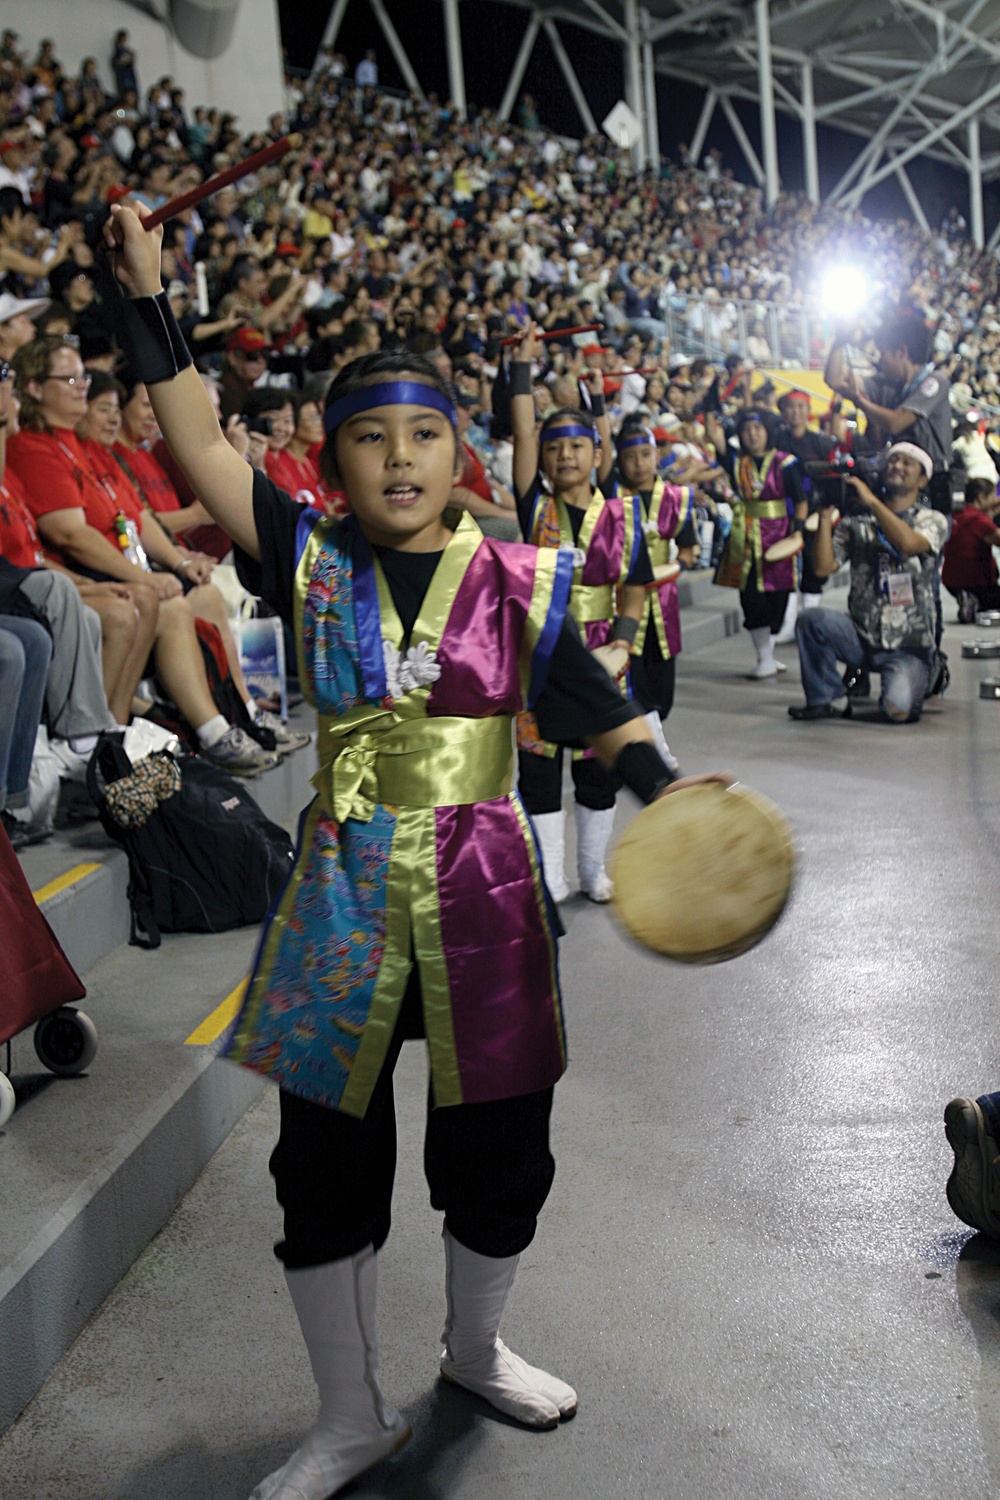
(37, 984)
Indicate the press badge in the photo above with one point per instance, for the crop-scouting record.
(900, 588)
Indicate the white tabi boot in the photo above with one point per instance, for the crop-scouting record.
(764, 645)
(656, 730)
(356, 1426)
(593, 830)
(474, 1355)
(786, 634)
(550, 831)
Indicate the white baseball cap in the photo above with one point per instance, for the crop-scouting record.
(30, 307)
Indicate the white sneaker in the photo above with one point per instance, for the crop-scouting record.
(239, 754)
(286, 740)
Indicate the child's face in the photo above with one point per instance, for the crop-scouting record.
(567, 461)
(397, 466)
(638, 466)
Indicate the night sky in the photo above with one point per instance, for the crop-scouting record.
(491, 35)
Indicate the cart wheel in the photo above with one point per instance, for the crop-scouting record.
(8, 1099)
(66, 1041)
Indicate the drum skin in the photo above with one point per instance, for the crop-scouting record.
(703, 874)
(789, 546)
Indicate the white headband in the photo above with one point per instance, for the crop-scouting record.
(912, 451)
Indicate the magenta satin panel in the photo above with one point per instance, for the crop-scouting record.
(499, 958)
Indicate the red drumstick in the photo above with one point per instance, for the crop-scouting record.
(253, 163)
(556, 333)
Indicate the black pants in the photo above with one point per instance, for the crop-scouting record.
(539, 780)
(986, 595)
(653, 676)
(488, 1166)
(761, 608)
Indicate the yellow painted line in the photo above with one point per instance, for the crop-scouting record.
(214, 1025)
(62, 882)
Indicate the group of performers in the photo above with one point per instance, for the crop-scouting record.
(418, 904)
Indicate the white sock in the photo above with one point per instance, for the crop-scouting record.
(82, 744)
(764, 643)
(252, 707)
(212, 731)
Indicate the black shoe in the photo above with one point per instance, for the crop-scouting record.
(857, 683)
(23, 835)
(810, 711)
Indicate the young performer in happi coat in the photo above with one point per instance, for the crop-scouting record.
(602, 540)
(769, 505)
(669, 529)
(416, 906)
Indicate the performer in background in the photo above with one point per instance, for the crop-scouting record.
(669, 528)
(602, 542)
(769, 505)
(795, 436)
(416, 906)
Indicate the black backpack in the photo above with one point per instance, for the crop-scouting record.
(202, 856)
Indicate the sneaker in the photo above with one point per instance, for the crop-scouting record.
(285, 739)
(974, 1185)
(238, 754)
(967, 607)
(23, 834)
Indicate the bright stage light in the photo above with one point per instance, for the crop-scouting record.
(845, 290)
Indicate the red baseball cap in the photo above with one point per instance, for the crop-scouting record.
(248, 341)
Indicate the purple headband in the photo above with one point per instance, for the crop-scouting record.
(387, 393)
(638, 438)
(571, 429)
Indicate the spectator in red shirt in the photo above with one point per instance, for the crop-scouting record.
(970, 569)
(75, 510)
(295, 467)
(475, 491)
(200, 531)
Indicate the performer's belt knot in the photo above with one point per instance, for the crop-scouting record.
(371, 756)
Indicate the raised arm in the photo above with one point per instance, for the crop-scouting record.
(522, 412)
(222, 480)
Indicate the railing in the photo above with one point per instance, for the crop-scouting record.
(766, 333)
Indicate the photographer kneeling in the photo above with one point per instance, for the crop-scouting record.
(891, 545)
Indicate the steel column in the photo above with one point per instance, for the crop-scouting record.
(765, 85)
(809, 134)
(567, 70)
(916, 207)
(976, 185)
(396, 47)
(704, 120)
(333, 25)
(649, 88)
(736, 126)
(456, 65)
(633, 80)
(521, 61)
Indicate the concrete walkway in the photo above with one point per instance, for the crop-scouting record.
(747, 1266)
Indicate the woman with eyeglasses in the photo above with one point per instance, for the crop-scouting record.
(81, 520)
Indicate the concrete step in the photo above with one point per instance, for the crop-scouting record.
(92, 1167)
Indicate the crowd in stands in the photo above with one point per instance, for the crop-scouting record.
(395, 223)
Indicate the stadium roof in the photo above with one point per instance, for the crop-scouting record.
(908, 77)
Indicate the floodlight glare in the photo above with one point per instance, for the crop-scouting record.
(845, 290)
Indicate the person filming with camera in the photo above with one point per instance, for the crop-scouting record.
(892, 545)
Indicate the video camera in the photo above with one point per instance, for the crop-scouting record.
(830, 487)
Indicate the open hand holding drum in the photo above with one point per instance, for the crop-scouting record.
(613, 658)
(812, 521)
(704, 872)
(788, 546)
